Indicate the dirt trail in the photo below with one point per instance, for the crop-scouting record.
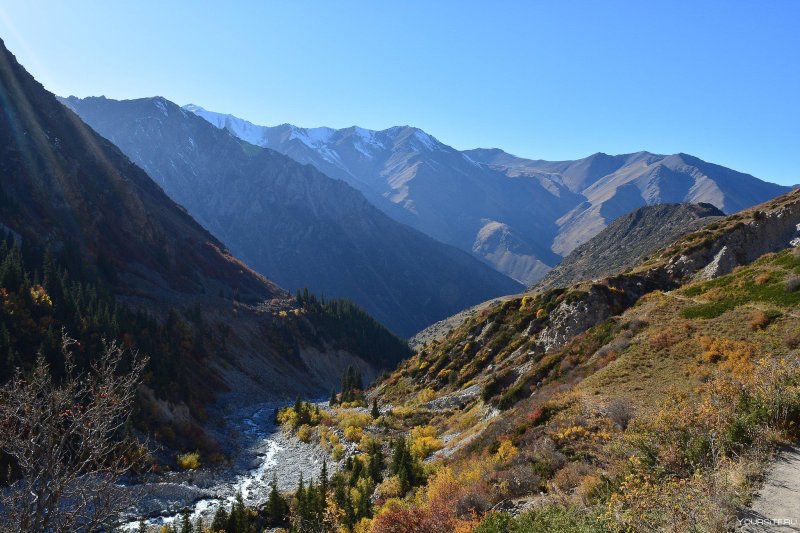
(776, 507)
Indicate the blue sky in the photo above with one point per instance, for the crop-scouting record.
(550, 80)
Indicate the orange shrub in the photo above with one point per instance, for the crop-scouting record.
(759, 320)
(761, 279)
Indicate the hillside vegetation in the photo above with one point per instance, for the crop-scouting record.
(648, 400)
(660, 417)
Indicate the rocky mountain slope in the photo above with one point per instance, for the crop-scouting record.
(523, 329)
(291, 222)
(622, 245)
(132, 265)
(519, 216)
(653, 394)
(627, 241)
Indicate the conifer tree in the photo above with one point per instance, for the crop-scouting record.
(220, 521)
(276, 507)
(237, 520)
(334, 400)
(323, 480)
(186, 526)
(403, 464)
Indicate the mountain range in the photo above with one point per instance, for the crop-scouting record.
(291, 222)
(520, 216)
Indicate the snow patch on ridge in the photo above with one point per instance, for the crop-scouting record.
(426, 140)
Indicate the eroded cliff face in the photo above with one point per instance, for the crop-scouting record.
(767, 231)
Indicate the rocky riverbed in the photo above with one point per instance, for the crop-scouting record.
(258, 450)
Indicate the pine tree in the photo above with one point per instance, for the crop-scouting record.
(403, 464)
(301, 505)
(334, 400)
(142, 526)
(237, 520)
(375, 411)
(358, 468)
(220, 521)
(323, 480)
(276, 507)
(376, 462)
(186, 526)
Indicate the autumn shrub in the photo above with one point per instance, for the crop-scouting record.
(506, 451)
(424, 446)
(189, 461)
(569, 477)
(359, 420)
(304, 433)
(517, 480)
(661, 340)
(762, 279)
(730, 354)
(391, 487)
(337, 452)
(682, 474)
(353, 433)
(761, 319)
(590, 488)
(646, 502)
(758, 320)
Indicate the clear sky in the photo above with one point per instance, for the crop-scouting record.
(551, 80)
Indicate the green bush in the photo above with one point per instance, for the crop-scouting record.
(561, 519)
(708, 310)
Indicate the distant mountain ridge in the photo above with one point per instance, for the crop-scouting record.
(518, 215)
(70, 194)
(291, 222)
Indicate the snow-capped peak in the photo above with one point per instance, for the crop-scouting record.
(243, 129)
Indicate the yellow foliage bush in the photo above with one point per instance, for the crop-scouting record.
(353, 433)
(391, 487)
(423, 431)
(732, 355)
(359, 420)
(338, 452)
(422, 447)
(304, 433)
(189, 461)
(40, 296)
(506, 451)
(287, 418)
(426, 395)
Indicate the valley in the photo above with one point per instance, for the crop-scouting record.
(209, 325)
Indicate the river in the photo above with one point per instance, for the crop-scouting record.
(258, 450)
